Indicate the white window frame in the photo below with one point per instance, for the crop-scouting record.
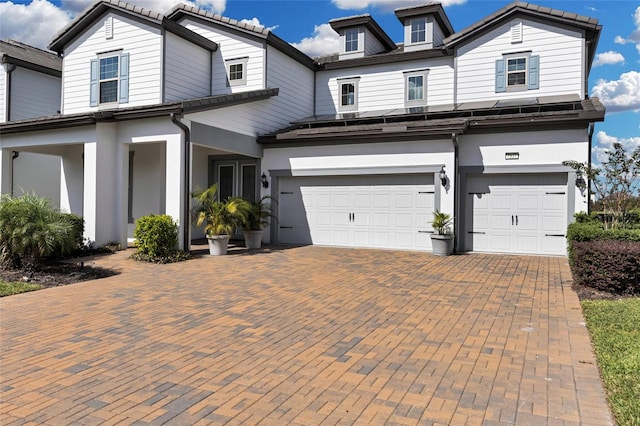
(422, 20)
(234, 62)
(412, 74)
(512, 57)
(347, 42)
(354, 81)
(101, 80)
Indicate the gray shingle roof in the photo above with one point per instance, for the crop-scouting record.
(257, 30)
(30, 57)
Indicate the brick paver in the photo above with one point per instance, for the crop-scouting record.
(304, 336)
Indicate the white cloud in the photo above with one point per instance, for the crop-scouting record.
(604, 144)
(609, 57)
(256, 23)
(34, 24)
(323, 42)
(591, 8)
(634, 37)
(384, 4)
(619, 95)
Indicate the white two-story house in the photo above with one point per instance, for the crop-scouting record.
(358, 148)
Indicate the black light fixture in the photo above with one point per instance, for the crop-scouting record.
(264, 181)
(443, 176)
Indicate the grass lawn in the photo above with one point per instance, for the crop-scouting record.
(615, 332)
(7, 289)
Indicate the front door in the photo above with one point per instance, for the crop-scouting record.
(236, 178)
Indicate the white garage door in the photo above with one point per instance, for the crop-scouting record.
(357, 211)
(517, 214)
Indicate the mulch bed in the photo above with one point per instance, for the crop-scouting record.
(57, 274)
(588, 293)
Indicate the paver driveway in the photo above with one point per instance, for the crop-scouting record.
(305, 336)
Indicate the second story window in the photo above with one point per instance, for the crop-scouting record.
(348, 94)
(237, 71)
(415, 88)
(109, 79)
(517, 72)
(418, 30)
(351, 40)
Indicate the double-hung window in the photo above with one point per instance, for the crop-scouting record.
(517, 72)
(415, 88)
(351, 40)
(348, 94)
(109, 79)
(418, 30)
(237, 71)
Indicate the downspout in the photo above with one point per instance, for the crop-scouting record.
(591, 129)
(14, 155)
(175, 119)
(456, 192)
(9, 68)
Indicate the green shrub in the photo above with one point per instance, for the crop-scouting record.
(612, 266)
(594, 231)
(156, 236)
(31, 230)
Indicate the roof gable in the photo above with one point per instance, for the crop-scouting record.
(96, 10)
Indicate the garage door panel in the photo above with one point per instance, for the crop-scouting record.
(515, 213)
(363, 211)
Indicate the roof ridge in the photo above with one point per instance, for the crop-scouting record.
(219, 18)
(22, 45)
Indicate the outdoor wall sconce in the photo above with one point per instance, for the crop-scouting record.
(443, 176)
(264, 181)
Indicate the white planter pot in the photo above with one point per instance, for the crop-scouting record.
(442, 244)
(218, 244)
(253, 239)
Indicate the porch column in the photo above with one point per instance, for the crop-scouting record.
(71, 180)
(6, 170)
(174, 195)
(105, 204)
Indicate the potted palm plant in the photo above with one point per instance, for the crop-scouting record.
(220, 218)
(442, 239)
(257, 219)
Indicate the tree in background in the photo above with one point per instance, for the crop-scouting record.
(614, 184)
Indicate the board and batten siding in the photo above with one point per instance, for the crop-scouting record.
(187, 69)
(33, 94)
(142, 42)
(561, 61)
(231, 46)
(382, 87)
(3, 95)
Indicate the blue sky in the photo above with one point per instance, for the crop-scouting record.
(615, 77)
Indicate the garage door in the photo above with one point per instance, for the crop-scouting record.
(357, 211)
(517, 214)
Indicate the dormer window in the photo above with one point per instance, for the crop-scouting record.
(418, 30)
(351, 40)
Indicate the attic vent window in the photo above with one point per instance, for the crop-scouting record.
(516, 32)
(108, 28)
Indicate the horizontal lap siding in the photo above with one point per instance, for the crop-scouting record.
(232, 46)
(293, 102)
(371, 44)
(187, 69)
(561, 59)
(142, 42)
(33, 94)
(382, 87)
(438, 35)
